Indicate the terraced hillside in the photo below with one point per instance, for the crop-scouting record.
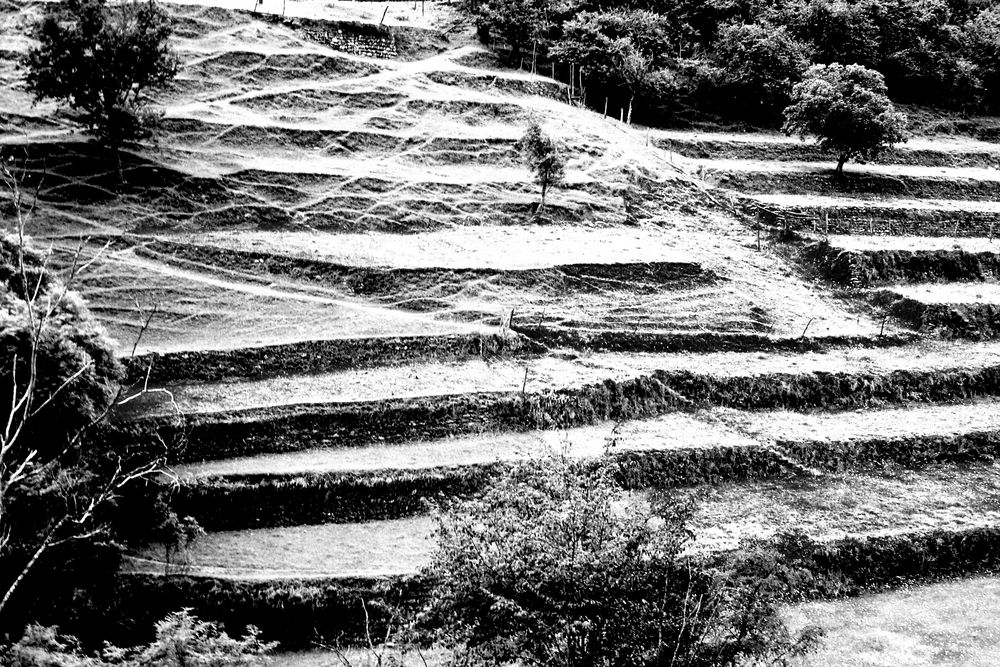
(360, 308)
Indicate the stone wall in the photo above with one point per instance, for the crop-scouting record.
(362, 39)
(358, 39)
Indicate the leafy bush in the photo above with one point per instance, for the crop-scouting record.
(102, 59)
(555, 565)
(847, 109)
(76, 373)
(181, 641)
(60, 487)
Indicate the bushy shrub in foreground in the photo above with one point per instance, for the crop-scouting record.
(555, 565)
(181, 641)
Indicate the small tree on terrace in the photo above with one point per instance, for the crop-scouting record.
(544, 157)
(102, 59)
(847, 109)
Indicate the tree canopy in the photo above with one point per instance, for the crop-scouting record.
(848, 110)
(102, 60)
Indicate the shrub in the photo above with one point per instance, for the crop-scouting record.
(102, 59)
(543, 157)
(847, 109)
(555, 565)
(76, 373)
(181, 641)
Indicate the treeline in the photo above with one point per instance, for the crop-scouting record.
(739, 59)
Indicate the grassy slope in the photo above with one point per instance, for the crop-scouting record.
(948, 623)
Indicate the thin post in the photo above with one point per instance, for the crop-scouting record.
(605, 107)
(383, 16)
(621, 115)
(572, 90)
(534, 48)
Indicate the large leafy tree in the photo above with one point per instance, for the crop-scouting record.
(758, 64)
(847, 109)
(517, 23)
(62, 482)
(981, 37)
(102, 60)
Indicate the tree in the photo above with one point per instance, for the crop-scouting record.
(759, 64)
(517, 22)
(102, 60)
(543, 157)
(555, 565)
(60, 483)
(981, 37)
(847, 109)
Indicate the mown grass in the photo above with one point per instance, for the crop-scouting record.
(950, 623)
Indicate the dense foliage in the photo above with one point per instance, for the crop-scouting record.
(61, 519)
(555, 565)
(181, 641)
(102, 59)
(740, 58)
(847, 109)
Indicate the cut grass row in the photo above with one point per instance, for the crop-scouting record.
(899, 217)
(858, 532)
(975, 319)
(857, 184)
(324, 356)
(785, 149)
(393, 481)
(842, 380)
(866, 267)
(892, 501)
(299, 612)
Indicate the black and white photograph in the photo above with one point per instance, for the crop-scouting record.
(499, 333)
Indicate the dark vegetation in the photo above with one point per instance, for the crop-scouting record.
(739, 59)
(69, 499)
(62, 515)
(555, 565)
(181, 640)
(102, 60)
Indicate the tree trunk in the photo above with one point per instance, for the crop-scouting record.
(840, 164)
(630, 100)
(542, 205)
